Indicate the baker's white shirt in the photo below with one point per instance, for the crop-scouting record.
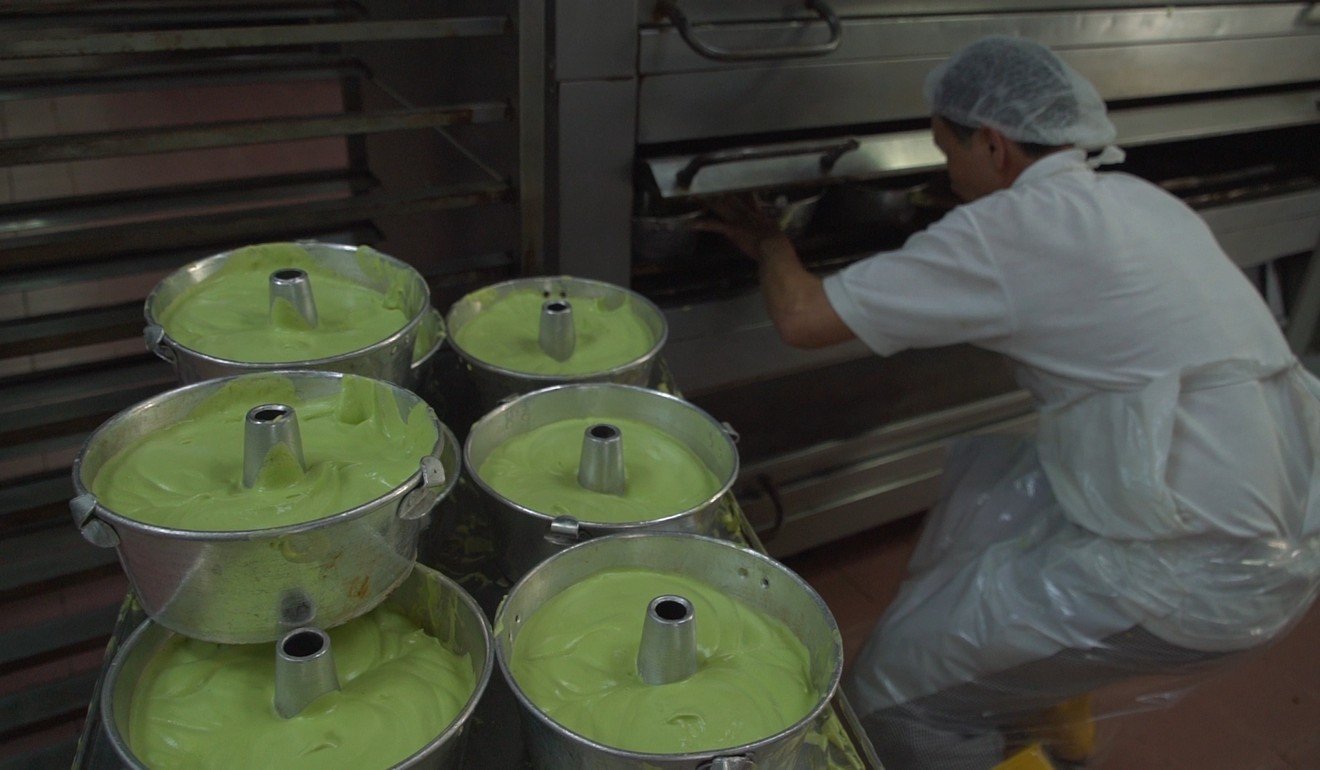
(1101, 278)
(1101, 283)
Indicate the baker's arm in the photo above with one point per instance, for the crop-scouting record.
(942, 287)
(795, 298)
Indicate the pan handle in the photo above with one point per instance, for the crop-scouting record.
(154, 336)
(830, 152)
(669, 9)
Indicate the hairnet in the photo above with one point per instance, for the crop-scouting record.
(1020, 88)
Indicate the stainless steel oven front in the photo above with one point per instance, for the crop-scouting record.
(816, 108)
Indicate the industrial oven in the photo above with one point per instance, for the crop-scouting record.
(816, 108)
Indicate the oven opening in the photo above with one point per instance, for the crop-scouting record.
(834, 222)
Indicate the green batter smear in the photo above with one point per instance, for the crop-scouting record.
(576, 659)
(507, 334)
(229, 315)
(538, 469)
(201, 705)
(189, 475)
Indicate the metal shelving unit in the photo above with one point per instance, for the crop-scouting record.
(137, 136)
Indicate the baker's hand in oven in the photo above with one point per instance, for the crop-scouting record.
(795, 299)
(741, 220)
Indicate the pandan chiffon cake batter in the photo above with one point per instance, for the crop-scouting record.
(576, 659)
(201, 705)
(538, 469)
(229, 314)
(608, 332)
(189, 475)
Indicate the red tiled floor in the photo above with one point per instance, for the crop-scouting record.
(1303, 752)
(880, 563)
(858, 577)
(854, 612)
(1261, 713)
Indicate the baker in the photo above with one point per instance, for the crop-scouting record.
(1165, 515)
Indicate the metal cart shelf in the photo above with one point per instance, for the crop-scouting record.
(462, 545)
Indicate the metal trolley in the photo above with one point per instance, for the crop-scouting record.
(462, 545)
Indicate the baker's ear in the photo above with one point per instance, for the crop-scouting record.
(998, 145)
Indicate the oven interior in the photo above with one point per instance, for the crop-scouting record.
(836, 221)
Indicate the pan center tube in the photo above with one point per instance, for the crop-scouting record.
(558, 336)
(668, 652)
(600, 467)
(293, 286)
(267, 429)
(304, 670)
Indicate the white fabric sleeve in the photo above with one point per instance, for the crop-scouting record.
(942, 287)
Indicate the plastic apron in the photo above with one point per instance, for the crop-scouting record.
(1061, 542)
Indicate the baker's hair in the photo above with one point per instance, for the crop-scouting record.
(964, 135)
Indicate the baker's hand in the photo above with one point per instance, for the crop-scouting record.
(739, 219)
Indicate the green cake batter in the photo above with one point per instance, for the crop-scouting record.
(507, 334)
(201, 705)
(538, 469)
(229, 315)
(189, 475)
(576, 659)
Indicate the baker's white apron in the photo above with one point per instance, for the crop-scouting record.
(1076, 536)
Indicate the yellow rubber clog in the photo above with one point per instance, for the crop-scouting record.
(1068, 730)
(1031, 758)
